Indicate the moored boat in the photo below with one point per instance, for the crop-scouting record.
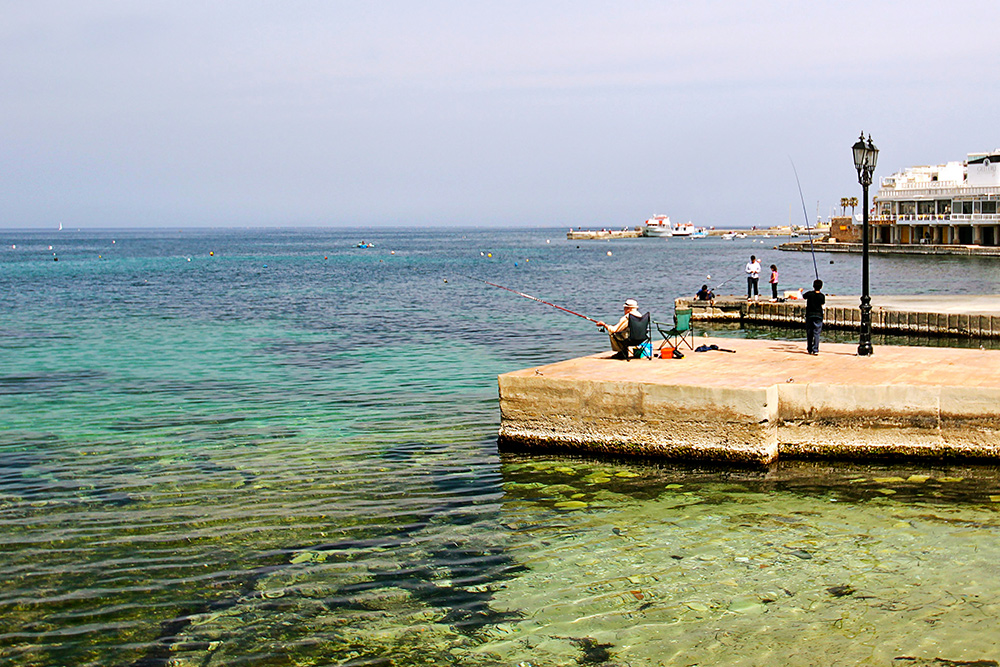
(658, 225)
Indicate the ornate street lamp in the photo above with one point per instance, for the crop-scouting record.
(865, 157)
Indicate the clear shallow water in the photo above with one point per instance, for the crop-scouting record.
(283, 453)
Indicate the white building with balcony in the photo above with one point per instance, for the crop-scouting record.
(948, 204)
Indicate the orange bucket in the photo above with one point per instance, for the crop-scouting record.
(666, 353)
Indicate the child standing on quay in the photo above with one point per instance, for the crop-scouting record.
(814, 315)
(774, 282)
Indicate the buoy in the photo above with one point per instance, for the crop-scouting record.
(709, 276)
(515, 263)
(392, 252)
(489, 254)
(547, 241)
(446, 280)
(189, 259)
(211, 253)
(324, 256)
(265, 266)
(609, 253)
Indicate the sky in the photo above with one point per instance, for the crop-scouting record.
(477, 113)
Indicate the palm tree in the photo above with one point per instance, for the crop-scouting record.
(844, 203)
(852, 202)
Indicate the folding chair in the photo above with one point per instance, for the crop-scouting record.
(640, 336)
(681, 331)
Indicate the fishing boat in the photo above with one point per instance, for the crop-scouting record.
(658, 225)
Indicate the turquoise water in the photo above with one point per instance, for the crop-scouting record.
(225, 447)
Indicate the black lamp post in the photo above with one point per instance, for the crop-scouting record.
(865, 157)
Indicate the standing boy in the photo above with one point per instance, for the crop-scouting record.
(774, 282)
(814, 315)
(753, 277)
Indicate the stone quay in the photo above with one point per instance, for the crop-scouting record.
(763, 400)
(962, 316)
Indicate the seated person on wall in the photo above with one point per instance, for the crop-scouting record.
(619, 332)
(705, 294)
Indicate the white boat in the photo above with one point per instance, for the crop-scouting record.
(684, 229)
(658, 225)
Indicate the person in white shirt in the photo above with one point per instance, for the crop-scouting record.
(753, 278)
(619, 332)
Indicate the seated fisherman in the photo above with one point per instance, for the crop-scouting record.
(619, 332)
(705, 294)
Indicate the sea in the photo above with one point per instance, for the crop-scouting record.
(272, 447)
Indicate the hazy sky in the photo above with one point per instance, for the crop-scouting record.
(132, 113)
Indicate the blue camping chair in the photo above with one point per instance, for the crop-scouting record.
(680, 332)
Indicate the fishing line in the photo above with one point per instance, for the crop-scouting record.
(533, 298)
(806, 216)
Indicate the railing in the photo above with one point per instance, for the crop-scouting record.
(911, 190)
(954, 217)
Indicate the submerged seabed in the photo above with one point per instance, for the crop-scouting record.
(225, 459)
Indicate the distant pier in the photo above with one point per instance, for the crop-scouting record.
(592, 235)
(893, 248)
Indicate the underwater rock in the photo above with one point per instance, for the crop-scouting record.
(841, 591)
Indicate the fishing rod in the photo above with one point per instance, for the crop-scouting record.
(533, 298)
(806, 217)
(727, 280)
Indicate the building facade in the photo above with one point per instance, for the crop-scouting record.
(947, 204)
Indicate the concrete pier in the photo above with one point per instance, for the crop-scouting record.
(964, 316)
(765, 400)
(893, 248)
(602, 234)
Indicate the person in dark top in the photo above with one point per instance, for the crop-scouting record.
(705, 294)
(814, 315)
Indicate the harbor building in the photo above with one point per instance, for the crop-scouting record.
(946, 204)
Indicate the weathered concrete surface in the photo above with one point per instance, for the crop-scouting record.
(770, 398)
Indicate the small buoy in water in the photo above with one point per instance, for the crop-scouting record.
(489, 254)
(55, 259)
(112, 240)
(50, 247)
(324, 256)
(446, 280)
(211, 253)
(13, 247)
(515, 263)
(527, 259)
(265, 266)
(709, 276)
(481, 253)
(189, 259)
(392, 252)
(99, 257)
(548, 241)
(609, 253)
(831, 261)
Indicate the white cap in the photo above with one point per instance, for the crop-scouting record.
(631, 303)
